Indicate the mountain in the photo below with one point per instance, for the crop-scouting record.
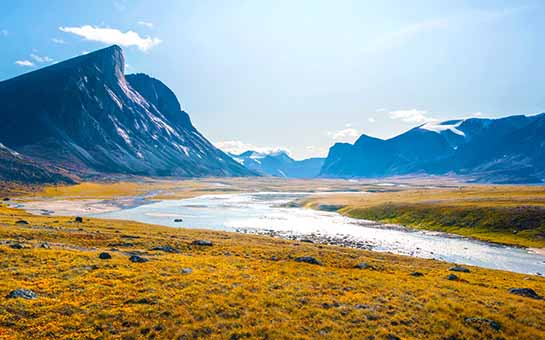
(16, 167)
(85, 116)
(504, 150)
(279, 164)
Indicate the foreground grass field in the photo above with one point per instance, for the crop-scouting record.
(512, 215)
(240, 287)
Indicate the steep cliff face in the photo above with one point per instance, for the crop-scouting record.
(85, 116)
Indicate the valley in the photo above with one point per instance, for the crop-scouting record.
(220, 289)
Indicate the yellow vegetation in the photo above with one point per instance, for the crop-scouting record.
(504, 214)
(236, 290)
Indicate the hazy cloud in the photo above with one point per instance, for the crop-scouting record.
(41, 59)
(146, 23)
(348, 134)
(58, 41)
(371, 120)
(113, 36)
(4, 33)
(25, 63)
(237, 147)
(411, 116)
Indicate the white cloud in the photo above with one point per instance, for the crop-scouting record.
(58, 41)
(25, 63)
(346, 135)
(41, 59)
(237, 147)
(146, 23)
(113, 36)
(4, 33)
(411, 116)
(371, 120)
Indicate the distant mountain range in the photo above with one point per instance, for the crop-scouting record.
(83, 117)
(505, 150)
(279, 164)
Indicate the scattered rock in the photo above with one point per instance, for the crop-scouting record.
(274, 258)
(459, 269)
(45, 245)
(205, 243)
(308, 259)
(480, 322)
(187, 270)
(167, 249)
(22, 293)
(392, 337)
(21, 222)
(142, 301)
(138, 259)
(363, 265)
(104, 256)
(130, 236)
(452, 277)
(417, 274)
(122, 244)
(306, 240)
(16, 246)
(178, 220)
(526, 292)
(6, 199)
(79, 219)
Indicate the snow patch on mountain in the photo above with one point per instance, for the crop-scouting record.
(439, 127)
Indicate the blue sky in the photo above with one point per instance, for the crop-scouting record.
(302, 75)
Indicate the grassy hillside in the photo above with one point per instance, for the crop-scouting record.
(512, 215)
(241, 287)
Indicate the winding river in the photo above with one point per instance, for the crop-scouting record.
(265, 213)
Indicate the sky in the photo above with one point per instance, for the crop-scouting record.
(302, 75)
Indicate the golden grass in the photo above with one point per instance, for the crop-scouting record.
(236, 291)
(512, 215)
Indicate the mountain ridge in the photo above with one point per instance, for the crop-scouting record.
(502, 150)
(84, 115)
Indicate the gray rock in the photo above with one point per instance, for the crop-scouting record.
(104, 256)
(526, 292)
(363, 265)
(479, 322)
(205, 243)
(167, 249)
(417, 274)
(16, 246)
(392, 337)
(308, 259)
(79, 219)
(22, 222)
(452, 277)
(187, 270)
(138, 259)
(459, 269)
(45, 246)
(22, 293)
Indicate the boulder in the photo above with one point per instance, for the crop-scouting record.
(363, 265)
(22, 293)
(526, 292)
(205, 243)
(308, 259)
(480, 322)
(104, 256)
(167, 249)
(79, 219)
(452, 277)
(459, 269)
(138, 259)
